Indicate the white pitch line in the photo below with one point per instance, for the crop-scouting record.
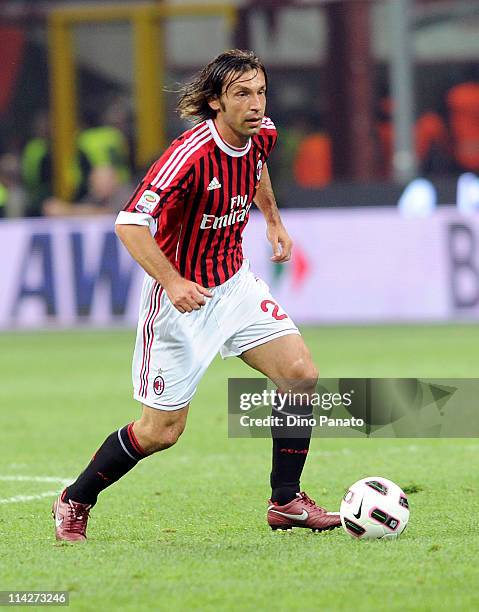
(34, 478)
(25, 498)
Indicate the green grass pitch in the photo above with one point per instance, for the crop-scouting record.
(186, 529)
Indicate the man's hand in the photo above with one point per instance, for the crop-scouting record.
(276, 232)
(280, 241)
(186, 295)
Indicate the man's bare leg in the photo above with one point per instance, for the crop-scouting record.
(154, 431)
(287, 362)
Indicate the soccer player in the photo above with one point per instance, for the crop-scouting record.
(199, 295)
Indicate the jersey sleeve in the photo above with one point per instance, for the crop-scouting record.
(164, 186)
(268, 135)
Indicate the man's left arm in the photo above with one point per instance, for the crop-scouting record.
(276, 232)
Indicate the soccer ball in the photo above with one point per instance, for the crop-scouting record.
(374, 508)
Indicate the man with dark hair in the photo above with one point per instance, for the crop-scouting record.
(199, 296)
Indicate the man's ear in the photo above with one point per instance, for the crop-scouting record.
(214, 103)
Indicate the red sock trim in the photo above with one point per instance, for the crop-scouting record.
(136, 445)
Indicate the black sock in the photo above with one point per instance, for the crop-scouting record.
(118, 454)
(290, 449)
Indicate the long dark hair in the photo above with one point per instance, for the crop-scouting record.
(209, 82)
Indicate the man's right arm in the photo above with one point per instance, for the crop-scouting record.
(185, 295)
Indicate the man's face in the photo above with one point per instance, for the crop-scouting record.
(241, 106)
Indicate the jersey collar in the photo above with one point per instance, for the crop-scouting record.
(224, 146)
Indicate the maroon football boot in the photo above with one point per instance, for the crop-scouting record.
(71, 519)
(301, 512)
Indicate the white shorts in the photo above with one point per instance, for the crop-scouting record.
(173, 350)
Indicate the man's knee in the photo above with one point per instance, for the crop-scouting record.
(156, 434)
(301, 375)
(154, 439)
(167, 437)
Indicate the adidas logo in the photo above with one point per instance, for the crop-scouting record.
(215, 184)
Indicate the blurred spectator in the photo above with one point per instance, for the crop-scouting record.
(306, 151)
(106, 195)
(463, 106)
(100, 144)
(37, 165)
(12, 195)
(432, 144)
(431, 141)
(119, 115)
(313, 162)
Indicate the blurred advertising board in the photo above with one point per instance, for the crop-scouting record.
(349, 266)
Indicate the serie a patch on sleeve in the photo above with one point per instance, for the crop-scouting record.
(147, 202)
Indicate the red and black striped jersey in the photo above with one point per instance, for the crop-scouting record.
(200, 192)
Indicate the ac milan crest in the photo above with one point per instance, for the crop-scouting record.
(159, 385)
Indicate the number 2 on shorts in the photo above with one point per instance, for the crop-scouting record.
(275, 312)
